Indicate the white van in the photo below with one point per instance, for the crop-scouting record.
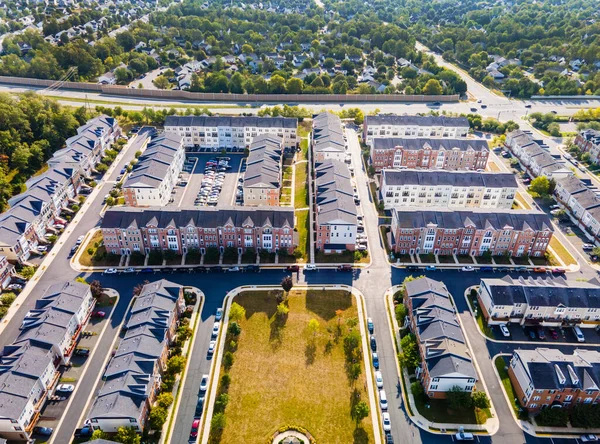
(464, 436)
(383, 400)
(578, 334)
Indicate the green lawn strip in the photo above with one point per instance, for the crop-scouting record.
(301, 184)
(346, 256)
(500, 363)
(302, 226)
(282, 374)
(481, 323)
(303, 154)
(562, 252)
(438, 411)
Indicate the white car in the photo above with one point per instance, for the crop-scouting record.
(234, 269)
(204, 383)
(588, 438)
(65, 388)
(379, 379)
(467, 268)
(555, 207)
(110, 271)
(211, 347)
(555, 212)
(80, 240)
(42, 248)
(385, 420)
(59, 226)
(504, 330)
(219, 314)
(310, 267)
(588, 246)
(361, 247)
(215, 330)
(129, 270)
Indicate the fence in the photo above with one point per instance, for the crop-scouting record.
(225, 97)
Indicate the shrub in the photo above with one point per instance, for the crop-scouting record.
(221, 402)
(234, 329)
(217, 422)
(158, 416)
(7, 298)
(225, 381)
(228, 360)
(27, 272)
(553, 418)
(164, 400)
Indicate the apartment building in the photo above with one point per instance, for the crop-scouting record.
(28, 372)
(588, 141)
(581, 202)
(156, 173)
(220, 132)
(7, 271)
(387, 126)
(262, 179)
(444, 231)
(126, 230)
(429, 153)
(328, 139)
(336, 219)
(133, 375)
(545, 377)
(32, 213)
(551, 302)
(446, 358)
(452, 189)
(533, 157)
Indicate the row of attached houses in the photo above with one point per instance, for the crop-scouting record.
(220, 132)
(552, 302)
(132, 378)
(581, 202)
(29, 367)
(537, 160)
(328, 138)
(263, 176)
(548, 378)
(128, 229)
(588, 141)
(156, 173)
(389, 126)
(428, 153)
(452, 189)
(31, 214)
(444, 231)
(446, 358)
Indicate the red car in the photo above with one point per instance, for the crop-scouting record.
(554, 334)
(293, 268)
(195, 426)
(98, 314)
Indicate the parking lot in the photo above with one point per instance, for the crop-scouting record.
(549, 335)
(196, 174)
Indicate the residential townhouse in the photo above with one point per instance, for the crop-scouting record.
(328, 139)
(428, 153)
(219, 132)
(156, 173)
(7, 271)
(581, 202)
(533, 157)
(126, 230)
(263, 176)
(548, 378)
(588, 141)
(335, 213)
(452, 189)
(28, 372)
(446, 358)
(552, 302)
(133, 376)
(425, 230)
(387, 126)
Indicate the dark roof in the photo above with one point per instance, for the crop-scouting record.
(199, 217)
(442, 121)
(479, 218)
(264, 162)
(453, 178)
(242, 121)
(154, 164)
(381, 143)
(571, 184)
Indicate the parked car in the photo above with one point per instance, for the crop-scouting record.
(204, 383)
(504, 330)
(65, 388)
(199, 406)
(233, 269)
(14, 287)
(147, 270)
(378, 379)
(253, 268)
(373, 342)
(383, 400)
(293, 268)
(215, 330)
(540, 270)
(486, 268)
(211, 347)
(84, 352)
(578, 334)
(467, 268)
(83, 432)
(588, 246)
(310, 267)
(532, 334)
(129, 270)
(370, 325)
(541, 333)
(375, 357)
(555, 207)
(521, 269)
(110, 271)
(430, 268)
(195, 426)
(412, 268)
(588, 438)
(344, 267)
(45, 431)
(555, 212)
(558, 270)
(464, 436)
(99, 314)
(219, 314)
(217, 269)
(386, 422)
(553, 334)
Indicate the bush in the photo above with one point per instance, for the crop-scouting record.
(459, 399)
(553, 417)
(225, 381)
(164, 400)
(27, 272)
(585, 416)
(221, 402)
(228, 360)
(217, 422)
(400, 313)
(158, 417)
(418, 391)
(7, 298)
(234, 329)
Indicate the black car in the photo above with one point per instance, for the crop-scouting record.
(373, 343)
(201, 269)
(85, 352)
(217, 269)
(412, 268)
(253, 268)
(147, 270)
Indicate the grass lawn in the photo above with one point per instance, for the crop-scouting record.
(493, 167)
(522, 202)
(438, 411)
(301, 192)
(282, 376)
(304, 129)
(446, 259)
(88, 260)
(347, 256)
(302, 225)
(501, 259)
(485, 329)
(521, 260)
(562, 252)
(303, 154)
(500, 363)
(465, 259)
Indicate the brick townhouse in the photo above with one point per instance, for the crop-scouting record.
(127, 230)
(444, 231)
(429, 153)
(588, 141)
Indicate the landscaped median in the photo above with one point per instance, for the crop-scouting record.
(433, 415)
(292, 361)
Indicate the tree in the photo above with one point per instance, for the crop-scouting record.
(98, 434)
(480, 400)
(539, 187)
(432, 87)
(247, 49)
(228, 360)
(234, 329)
(27, 272)
(236, 84)
(217, 423)
(96, 288)
(554, 129)
(361, 411)
(161, 82)
(20, 157)
(127, 435)
(277, 84)
(313, 327)
(164, 400)
(458, 399)
(410, 356)
(157, 418)
(282, 310)
(294, 85)
(175, 364)
(126, 40)
(287, 283)
(236, 312)
(221, 402)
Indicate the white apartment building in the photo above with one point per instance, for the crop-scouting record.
(452, 189)
(155, 175)
(413, 126)
(219, 132)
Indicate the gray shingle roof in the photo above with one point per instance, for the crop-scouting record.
(242, 121)
(571, 184)
(334, 194)
(454, 178)
(381, 143)
(438, 121)
(153, 165)
(264, 162)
